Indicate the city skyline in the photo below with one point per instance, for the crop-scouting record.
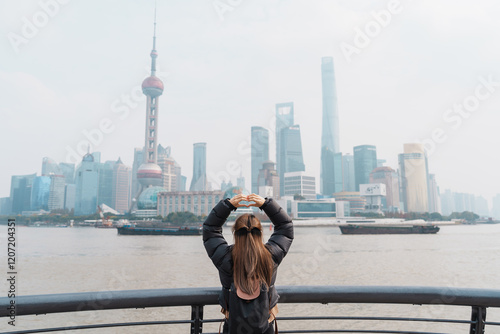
(383, 100)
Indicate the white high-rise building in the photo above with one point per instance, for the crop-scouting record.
(300, 183)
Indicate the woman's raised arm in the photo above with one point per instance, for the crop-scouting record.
(280, 241)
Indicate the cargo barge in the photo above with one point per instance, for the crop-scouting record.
(133, 230)
(388, 229)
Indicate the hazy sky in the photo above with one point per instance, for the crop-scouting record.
(405, 71)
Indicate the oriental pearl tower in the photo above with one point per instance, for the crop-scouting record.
(149, 173)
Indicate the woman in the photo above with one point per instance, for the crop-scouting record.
(247, 269)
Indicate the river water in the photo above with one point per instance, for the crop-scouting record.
(58, 260)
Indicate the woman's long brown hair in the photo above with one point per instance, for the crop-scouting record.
(251, 260)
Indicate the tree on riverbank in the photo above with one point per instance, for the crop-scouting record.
(182, 218)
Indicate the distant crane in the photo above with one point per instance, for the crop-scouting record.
(106, 222)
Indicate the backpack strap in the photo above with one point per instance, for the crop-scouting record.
(273, 313)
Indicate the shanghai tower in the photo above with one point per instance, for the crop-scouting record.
(331, 177)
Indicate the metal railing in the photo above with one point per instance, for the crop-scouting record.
(477, 299)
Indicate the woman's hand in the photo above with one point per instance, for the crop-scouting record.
(235, 201)
(258, 200)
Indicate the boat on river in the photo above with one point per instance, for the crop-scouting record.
(135, 230)
(388, 229)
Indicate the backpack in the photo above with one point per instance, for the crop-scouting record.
(249, 316)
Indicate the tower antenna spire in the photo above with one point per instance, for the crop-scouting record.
(154, 33)
(154, 54)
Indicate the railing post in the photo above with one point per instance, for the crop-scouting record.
(478, 318)
(196, 317)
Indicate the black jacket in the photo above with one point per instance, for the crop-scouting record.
(220, 252)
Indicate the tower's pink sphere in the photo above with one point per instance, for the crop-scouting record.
(149, 174)
(152, 86)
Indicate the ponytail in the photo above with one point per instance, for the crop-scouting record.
(252, 261)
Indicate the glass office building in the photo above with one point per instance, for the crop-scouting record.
(349, 182)
(40, 193)
(68, 170)
(20, 192)
(290, 154)
(199, 180)
(259, 153)
(49, 166)
(87, 186)
(329, 177)
(284, 119)
(365, 161)
(105, 192)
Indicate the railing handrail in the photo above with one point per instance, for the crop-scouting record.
(92, 301)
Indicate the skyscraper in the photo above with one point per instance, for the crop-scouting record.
(40, 193)
(284, 119)
(225, 186)
(57, 173)
(390, 178)
(170, 168)
(269, 181)
(434, 198)
(87, 185)
(172, 180)
(331, 168)
(330, 130)
(5, 205)
(240, 182)
(464, 202)
(199, 180)
(169, 178)
(259, 153)
(181, 179)
(49, 166)
(138, 161)
(338, 177)
(57, 188)
(482, 206)
(413, 169)
(105, 192)
(69, 197)
(121, 187)
(348, 178)
(365, 161)
(447, 202)
(20, 192)
(68, 170)
(291, 159)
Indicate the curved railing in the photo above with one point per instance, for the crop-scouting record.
(478, 299)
